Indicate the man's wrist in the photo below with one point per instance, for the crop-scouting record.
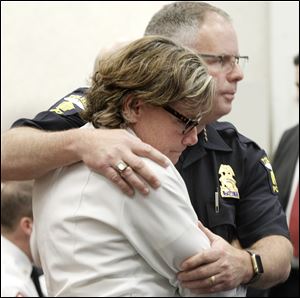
(248, 267)
(256, 267)
(75, 138)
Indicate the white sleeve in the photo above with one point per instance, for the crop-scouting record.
(163, 227)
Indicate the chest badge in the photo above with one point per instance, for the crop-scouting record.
(228, 188)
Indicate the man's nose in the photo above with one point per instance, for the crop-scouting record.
(236, 74)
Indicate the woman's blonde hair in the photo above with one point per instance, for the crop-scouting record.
(153, 69)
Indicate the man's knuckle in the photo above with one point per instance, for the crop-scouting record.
(138, 165)
(226, 265)
(148, 148)
(98, 166)
(127, 172)
(115, 178)
(110, 156)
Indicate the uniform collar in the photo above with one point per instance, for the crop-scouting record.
(215, 142)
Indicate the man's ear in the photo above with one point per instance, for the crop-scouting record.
(132, 109)
(26, 225)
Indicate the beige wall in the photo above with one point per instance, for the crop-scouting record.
(284, 44)
(48, 50)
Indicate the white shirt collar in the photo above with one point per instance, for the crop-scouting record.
(12, 254)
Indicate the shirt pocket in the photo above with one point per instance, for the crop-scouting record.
(223, 223)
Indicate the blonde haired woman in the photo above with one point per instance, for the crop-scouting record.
(94, 242)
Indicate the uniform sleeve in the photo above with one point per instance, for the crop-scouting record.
(163, 228)
(259, 212)
(63, 115)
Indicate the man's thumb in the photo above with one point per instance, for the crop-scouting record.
(210, 235)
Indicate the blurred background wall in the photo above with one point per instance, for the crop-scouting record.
(48, 50)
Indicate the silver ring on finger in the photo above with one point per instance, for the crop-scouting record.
(121, 166)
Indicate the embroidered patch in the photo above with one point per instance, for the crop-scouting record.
(272, 180)
(67, 104)
(228, 188)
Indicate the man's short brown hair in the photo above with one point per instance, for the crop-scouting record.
(16, 202)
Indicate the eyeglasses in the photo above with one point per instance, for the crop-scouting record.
(226, 62)
(189, 123)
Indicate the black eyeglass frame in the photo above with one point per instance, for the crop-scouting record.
(188, 122)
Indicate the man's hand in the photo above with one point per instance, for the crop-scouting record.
(102, 149)
(220, 268)
(29, 153)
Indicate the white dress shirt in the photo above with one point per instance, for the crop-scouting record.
(15, 271)
(95, 241)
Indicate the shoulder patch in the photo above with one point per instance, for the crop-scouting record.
(73, 103)
(272, 180)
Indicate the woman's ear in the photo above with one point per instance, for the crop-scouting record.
(132, 109)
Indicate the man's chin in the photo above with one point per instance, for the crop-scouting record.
(224, 111)
(217, 114)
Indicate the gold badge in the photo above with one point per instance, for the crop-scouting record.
(265, 161)
(228, 183)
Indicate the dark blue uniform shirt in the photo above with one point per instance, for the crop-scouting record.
(227, 163)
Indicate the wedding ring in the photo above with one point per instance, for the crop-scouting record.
(121, 166)
(212, 280)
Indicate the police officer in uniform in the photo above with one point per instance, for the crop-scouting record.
(230, 180)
